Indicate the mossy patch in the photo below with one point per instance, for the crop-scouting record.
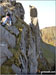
(6, 70)
(42, 67)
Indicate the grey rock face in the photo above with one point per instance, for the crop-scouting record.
(32, 55)
(8, 37)
(23, 44)
(24, 64)
(16, 69)
(13, 30)
(17, 10)
(13, 2)
(14, 19)
(1, 11)
(28, 48)
(4, 53)
(2, 60)
(23, 49)
(30, 42)
(34, 21)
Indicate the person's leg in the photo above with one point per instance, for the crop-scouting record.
(3, 25)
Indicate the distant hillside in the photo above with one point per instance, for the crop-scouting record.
(48, 52)
(48, 35)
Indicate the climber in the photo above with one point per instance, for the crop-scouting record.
(7, 20)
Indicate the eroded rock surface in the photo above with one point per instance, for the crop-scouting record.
(30, 45)
(13, 30)
(4, 53)
(7, 36)
(16, 69)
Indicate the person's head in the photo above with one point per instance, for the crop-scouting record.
(8, 14)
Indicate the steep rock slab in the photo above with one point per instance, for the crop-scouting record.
(13, 30)
(16, 69)
(4, 53)
(23, 43)
(32, 54)
(23, 49)
(2, 60)
(2, 13)
(30, 47)
(8, 37)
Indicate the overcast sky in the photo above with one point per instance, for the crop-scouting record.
(46, 12)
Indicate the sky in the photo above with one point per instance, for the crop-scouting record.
(46, 12)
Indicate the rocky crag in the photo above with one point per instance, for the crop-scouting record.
(20, 48)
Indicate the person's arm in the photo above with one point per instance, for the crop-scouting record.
(5, 21)
(10, 22)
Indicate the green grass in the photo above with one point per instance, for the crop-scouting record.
(47, 53)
